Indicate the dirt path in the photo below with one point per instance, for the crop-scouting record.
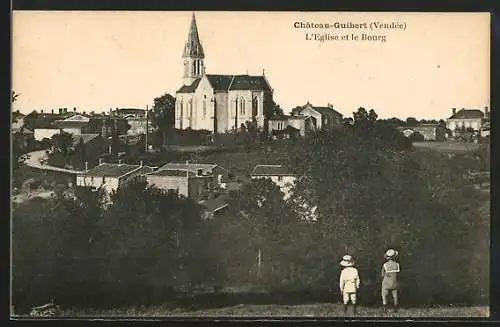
(36, 159)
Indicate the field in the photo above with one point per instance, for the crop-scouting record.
(318, 310)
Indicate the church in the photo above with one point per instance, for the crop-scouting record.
(217, 103)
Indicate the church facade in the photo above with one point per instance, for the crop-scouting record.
(217, 103)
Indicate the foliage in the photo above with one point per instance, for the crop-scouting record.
(143, 238)
(63, 143)
(411, 122)
(14, 96)
(372, 194)
(163, 114)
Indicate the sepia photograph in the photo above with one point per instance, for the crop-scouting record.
(250, 165)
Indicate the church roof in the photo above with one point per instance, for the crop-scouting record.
(230, 82)
(220, 82)
(247, 82)
(189, 88)
(193, 46)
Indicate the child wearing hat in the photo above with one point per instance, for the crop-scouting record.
(349, 282)
(390, 271)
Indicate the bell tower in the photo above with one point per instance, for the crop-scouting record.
(193, 55)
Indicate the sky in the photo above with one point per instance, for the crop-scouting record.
(101, 60)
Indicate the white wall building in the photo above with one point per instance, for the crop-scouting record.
(109, 176)
(278, 174)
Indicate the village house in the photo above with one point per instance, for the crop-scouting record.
(45, 133)
(466, 118)
(290, 126)
(192, 180)
(110, 176)
(430, 132)
(325, 117)
(107, 126)
(129, 112)
(217, 103)
(76, 124)
(213, 207)
(278, 174)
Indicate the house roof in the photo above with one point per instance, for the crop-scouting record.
(270, 170)
(188, 166)
(86, 138)
(468, 114)
(321, 110)
(112, 170)
(214, 205)
(130, 110)
(173, 172)
(22, 130)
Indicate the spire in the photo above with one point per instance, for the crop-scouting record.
(193, 46)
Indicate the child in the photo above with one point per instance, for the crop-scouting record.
(349, 282)
(390, 271)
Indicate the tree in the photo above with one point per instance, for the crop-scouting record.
(370, 195)
(411, 122)
(63, 142)
(163, 115)
(261, 207)
(295, 111)
(14, 96)
(82, 149)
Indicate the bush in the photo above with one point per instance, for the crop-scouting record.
(146, 240)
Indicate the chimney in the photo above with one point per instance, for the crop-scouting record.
(60, 110)
(100, 161)
(263, 72)
(52, 111)
(74, 109)
(330, 106)
(453, 110)
(486, 111)
(86, 166)
(41, 111)
(65, 110)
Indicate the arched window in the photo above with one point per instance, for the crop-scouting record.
(180, 108)
(204, 108)
(242, 106)
(191, 108)
(235, 106)
(255, 106)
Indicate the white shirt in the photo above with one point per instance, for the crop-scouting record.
(349, 280)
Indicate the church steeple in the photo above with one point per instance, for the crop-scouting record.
(193, 55)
